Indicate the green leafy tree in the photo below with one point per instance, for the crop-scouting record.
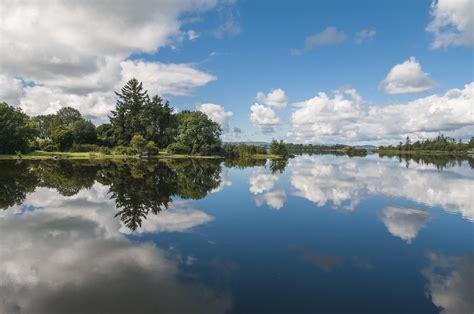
(16, 130)
(46, 125)
(67, 116)
(138, 144)
(63, 138)
(151, 149)
(159, 121)
(278, 148)
(105, 135)
(84, 132)
(178, 148)
(199, 133)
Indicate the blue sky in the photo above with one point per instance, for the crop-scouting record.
(245, 47)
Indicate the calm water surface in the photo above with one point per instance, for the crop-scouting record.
(322, 233)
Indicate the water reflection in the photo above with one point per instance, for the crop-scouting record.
(404, 223)
(439, 161)
(138, 188)
(72, 228)
(450, 282)
(344, 182)
(68, 255)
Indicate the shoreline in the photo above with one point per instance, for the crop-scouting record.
(42, 155)
(423, 152)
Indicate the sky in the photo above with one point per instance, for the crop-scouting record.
(355, 72)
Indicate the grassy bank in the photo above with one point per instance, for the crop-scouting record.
(37, 155)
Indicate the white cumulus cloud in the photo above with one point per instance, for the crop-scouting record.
(217, 114)
(165, 79)
(345, 118)
(407, 78)
(264, 118)
(452, 23)
(79, 50)
(276, 98)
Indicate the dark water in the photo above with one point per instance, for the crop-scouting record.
(320, 233)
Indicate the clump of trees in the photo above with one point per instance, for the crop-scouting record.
(441, 144)
(243, 151)
(16, 130)
(140, 124)
(279, 148)
(65, 130)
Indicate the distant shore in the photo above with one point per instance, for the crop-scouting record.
(393, 152)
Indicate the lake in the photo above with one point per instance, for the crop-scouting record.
(319, 233)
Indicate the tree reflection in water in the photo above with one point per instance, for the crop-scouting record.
(141, 187)
(138, 187)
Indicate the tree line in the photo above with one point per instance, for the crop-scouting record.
(139, 124)
(441, 143)
(333, 149)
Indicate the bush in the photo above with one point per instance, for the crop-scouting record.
(51, 148)
(33, 145)
(43, 143)
(122, 150)
(64, 138)
(151, 149)
(138, 144)
(178, 148)
(278, 148)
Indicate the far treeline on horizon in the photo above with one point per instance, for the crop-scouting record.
(143, 125)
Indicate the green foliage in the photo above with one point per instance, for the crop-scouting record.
(46, 125)
(441, 143)
(151, 149)
(278, 165)
(138, 144)
(122, 150)
(142, 188)
(84, 132)
(67, 116)
(159, 121)
(199, 133)
(63, 138)
(243, 150)
(16, 130)
(178, 148)
(58, 128)
(126, 118)
(278, 148)
(105, 135)
(136, 113)
(16, 180)
(352, 151)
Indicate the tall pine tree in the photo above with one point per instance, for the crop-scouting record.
(126, 118)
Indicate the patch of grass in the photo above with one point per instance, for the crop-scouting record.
(263, 156)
